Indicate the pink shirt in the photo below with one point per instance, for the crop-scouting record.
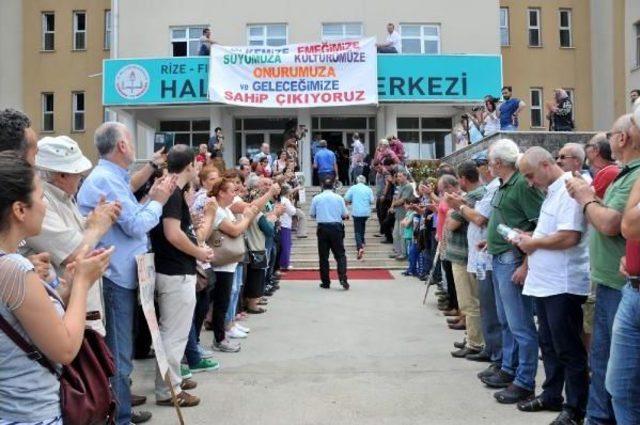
(443, 208)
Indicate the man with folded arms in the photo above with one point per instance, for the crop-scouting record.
(558, 281)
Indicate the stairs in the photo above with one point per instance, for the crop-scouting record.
(304, 255)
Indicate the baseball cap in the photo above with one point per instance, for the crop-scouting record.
(480, 158)
(61, 154)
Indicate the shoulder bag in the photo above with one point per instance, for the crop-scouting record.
(86, 397)
(227, 250)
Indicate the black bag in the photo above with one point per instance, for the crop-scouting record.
(258, 259)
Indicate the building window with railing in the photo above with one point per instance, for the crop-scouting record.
(185, 41)
(504, 26)
(536, 107)
(424, 138)
(79, 30)
(535, 32)
(566, 38)
(47, 112)
(420, 38)
(108, 28)
(267, 34)
(637, 31)
(48, 31)
(187, 132)
(341, 31)
(78, 111)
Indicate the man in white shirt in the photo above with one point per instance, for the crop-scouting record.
(571, 158)
(357, 158)
(392, 44)
(558, 280)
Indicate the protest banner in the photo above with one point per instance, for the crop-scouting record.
(336, 73)
(147, 288)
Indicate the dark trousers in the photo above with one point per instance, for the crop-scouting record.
(331, 238)
(359, 228)
(221, 296)
(387, 226)
(382, 211)
(491, 328)
(202, 305)
(254, 286)
(451, 287)
(563, 353)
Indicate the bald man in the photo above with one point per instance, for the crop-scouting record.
(558, 282)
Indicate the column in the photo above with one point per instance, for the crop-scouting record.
(216, 119)
(304, 118)
(128, 118)
(390, 120)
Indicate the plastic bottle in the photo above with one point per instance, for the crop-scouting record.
(481, 265)
(508, 233)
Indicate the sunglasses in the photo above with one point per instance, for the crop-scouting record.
(563, 157)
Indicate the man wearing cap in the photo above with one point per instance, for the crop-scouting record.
(64, 230)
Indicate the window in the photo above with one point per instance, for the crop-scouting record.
(637, 27)
(565, 28)
(107, 29)
(535, 38)
(79, 30)
(267, 35)
(504, 26)
(48, 31)
(423, 138)
(424, 39)
(47, 111)
(191, 133)
(536, 107)
(571, 94)
(341, 31)
(185, 41)
(77, 123)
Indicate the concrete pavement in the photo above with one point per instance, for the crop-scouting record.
(372, 355)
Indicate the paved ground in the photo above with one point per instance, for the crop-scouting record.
(372, 355)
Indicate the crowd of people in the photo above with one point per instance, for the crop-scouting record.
(71, 231)
(538, 253)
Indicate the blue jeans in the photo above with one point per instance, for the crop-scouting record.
(509, 127)
(623, 373)
(119, 311)
(235, 293)
(191, 352)
(518, 312)
(599, 408)
(414, 256)
(491, 327)
(359, 228)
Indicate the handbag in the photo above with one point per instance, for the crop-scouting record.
(205, 278)
(258, 259)
(227, 250)
(86, 397)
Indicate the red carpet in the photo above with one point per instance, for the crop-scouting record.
(358, 274)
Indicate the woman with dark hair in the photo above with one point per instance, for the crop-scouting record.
(280, 164)
(224, 190)
(490, 119)
(29, 392)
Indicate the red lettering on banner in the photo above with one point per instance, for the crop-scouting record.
(360, 94)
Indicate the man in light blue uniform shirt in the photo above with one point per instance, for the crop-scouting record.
(328, 209)
(361, 197)
(325, 162)
(110, 180)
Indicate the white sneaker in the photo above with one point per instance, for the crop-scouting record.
(235, 333)
(204, 353)
(242, 328)
(226, 346)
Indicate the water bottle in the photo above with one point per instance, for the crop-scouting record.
(481, 265)
(508, 233)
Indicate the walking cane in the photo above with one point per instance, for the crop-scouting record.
(430, 281)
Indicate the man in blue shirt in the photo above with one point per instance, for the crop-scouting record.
(328, 209)
(325, 162)
(361, 197)
(509, 110)
(110, 180)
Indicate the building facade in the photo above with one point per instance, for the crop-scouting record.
(173, 31)
(632, 43)
(569, 44)
(63, 45)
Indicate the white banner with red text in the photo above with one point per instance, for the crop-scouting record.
(335, 73)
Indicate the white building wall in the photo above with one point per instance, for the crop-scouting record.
(11, 54)
(632, 16)
(466, 26)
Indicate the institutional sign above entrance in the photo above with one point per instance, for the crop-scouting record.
(400, 78)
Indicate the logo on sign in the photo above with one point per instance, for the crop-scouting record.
(132, 82)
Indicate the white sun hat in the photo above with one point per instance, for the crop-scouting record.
(61, 154)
